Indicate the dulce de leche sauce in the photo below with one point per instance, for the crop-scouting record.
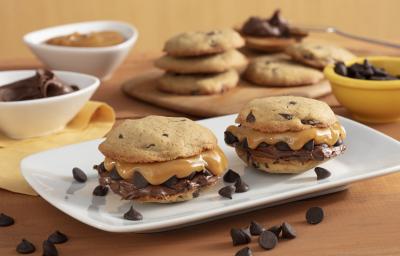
(157, 173)
(93, 39)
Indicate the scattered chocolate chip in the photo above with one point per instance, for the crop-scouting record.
(286, 116)
(139, 181)
(79, 175)
(292, 102)
(231, 176)
(100, 190)
(241, 186)
(276, 230)
(25, 247)
(49, 249)
(239, 236)
(244, 252)
(150, 145)
(121, 136)
(309, 145)
(6, 220)
(288, 231)
(250, 118)
(267, 240)
(229, 138)
(132, 214)
(282, 146)
(57, 238)
(322, 173)
(338, 142)
(255, 228)
(114, 175)
(314, 215)
(227, 191)
(165, 135)
(171, 181)
(310, 121)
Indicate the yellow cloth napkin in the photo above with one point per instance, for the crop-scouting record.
(93, 121)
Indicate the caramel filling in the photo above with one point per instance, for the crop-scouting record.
(157, 173)
(295, 140)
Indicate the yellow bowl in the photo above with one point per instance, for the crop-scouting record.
(369, 101)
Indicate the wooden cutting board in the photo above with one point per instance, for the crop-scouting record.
(144, 87)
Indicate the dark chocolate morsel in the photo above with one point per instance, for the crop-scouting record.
(227, 191)
(165, 134)
(314, 215)
(263, 145)
(338, 142)
(250, 118)
(255, 228)
(286, 116)
(230, 138)
(6, 220)
(79, 175)
(171, 181)
(132, 214)
(139, 181)
(309, 145)
(322, 173)
(120, 136)
(57, 238)
(231, 176)
(25, 247)
(276, 230)
(340, 68)
(288, 232)
(267, 240)
(100, 190)
(246, 251)
(114, 175)
(292, 102)
(241, 186)
(282, 146)
(239, 236)
(49, 249)
(310, 121)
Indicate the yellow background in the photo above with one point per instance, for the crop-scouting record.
(159, 19)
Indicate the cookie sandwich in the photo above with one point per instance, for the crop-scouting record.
(286, 134)
(160, 159)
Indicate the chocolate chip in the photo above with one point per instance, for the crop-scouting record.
(310, 121)
(100, 190)
(100, 168)
(244, 143)
(227, 191)
(132, 214)
(239, 236)
(121, 136)
(267, 240)
(79, 175)
(231, 176)
(230, 138)
(246, 251)
(318, 155)
(276, 230)
(171, 182)
(263, 145)
(314, 215)
(25, 247)
(241, 186)
(292, 102)
(338, 143)
(165, 134)
(288, 231)
(6, 220)
(340, 68)
(57, 238)
(139, 181)
(286, 116)
(49, 249)
(207, 173)
(150, 145)
(255, 228)
(322, 173)
(114, 175)
(309, 145)
(282, 146)
(250, 118)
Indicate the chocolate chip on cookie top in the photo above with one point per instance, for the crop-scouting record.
(285, 113)
(202, 43)
(156, 139)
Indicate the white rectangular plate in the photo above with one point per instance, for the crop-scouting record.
(369, 154)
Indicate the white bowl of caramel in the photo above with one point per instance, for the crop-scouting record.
(96, 47)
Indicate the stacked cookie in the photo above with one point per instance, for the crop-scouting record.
(198, 63)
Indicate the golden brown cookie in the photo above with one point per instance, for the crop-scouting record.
(318, 55)
(203, 64)
(157, 138)
(202, 84)
(279, 70)
(203, 43)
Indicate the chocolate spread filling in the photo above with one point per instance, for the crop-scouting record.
(174, 186)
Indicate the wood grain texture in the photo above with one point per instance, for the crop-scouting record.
(159, 19)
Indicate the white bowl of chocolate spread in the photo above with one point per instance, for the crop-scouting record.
(96, 47)
(40, 102)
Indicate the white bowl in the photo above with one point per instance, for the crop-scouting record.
(38, 117)
(97, 61)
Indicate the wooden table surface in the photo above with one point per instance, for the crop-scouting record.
(362, 220)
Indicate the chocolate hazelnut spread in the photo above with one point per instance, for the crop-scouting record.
(43, 84)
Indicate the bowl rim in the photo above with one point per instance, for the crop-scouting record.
(93, 86)
(343, 81)
(127, 43)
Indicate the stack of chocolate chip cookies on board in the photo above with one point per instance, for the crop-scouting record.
(201, 63)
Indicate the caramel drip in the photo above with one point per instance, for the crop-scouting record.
(157, 173)
(295, 140)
